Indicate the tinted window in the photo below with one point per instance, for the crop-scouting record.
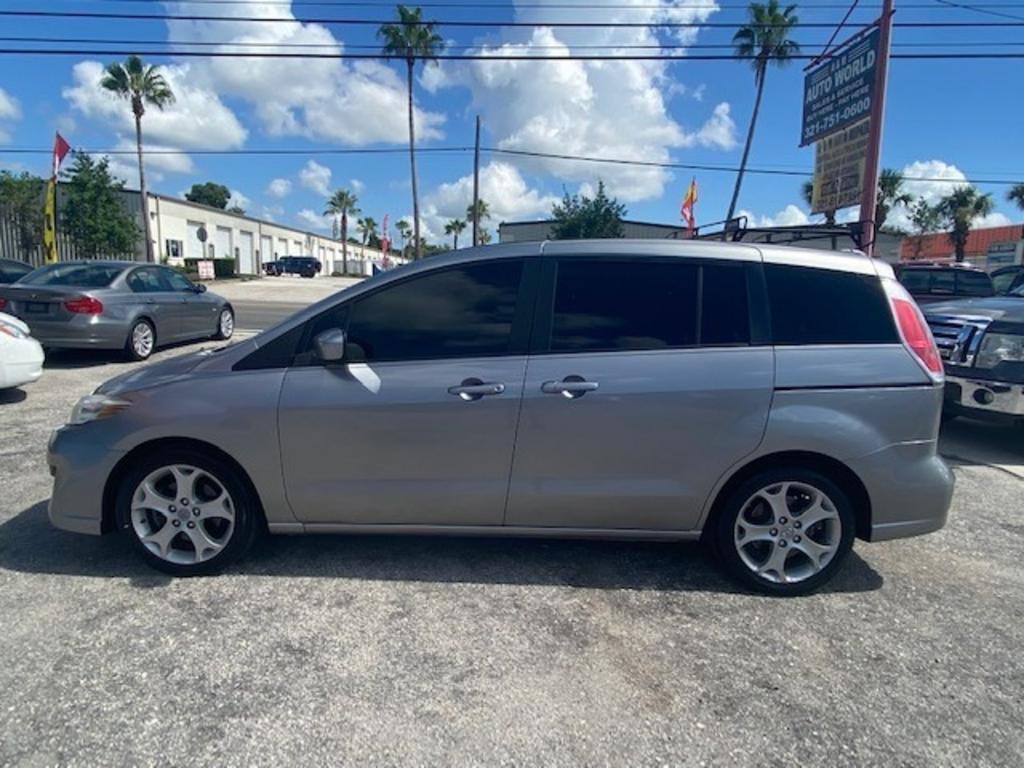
(973, 284)
(146, 281)
(725, 315)
(943, 282)
(462, 312)
(79, 275)
(915, 280)
(1003, 282)
(11, 271)
(606, 305)
(820, 306)
(177, 281)
(279, 353)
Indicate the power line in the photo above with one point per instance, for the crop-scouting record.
(545, 6)
(978, 9)
(475, 24)
(491, 150)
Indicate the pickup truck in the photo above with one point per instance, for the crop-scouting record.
(981, 342)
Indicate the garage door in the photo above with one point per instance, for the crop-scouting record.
(266, 249)
(223, 243)
(282, 248)
(246, 262)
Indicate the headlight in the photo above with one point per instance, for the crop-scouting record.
(92, 407)
(12, 330)
(999, 347)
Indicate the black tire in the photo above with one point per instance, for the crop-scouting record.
(219, 334)
(130, 350)
(948, 416)
(724, 532)
(247, 515)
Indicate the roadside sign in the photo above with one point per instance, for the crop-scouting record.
(206, 271)
(840, 91)
(839, 161)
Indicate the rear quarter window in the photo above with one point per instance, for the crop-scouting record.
(822, 306)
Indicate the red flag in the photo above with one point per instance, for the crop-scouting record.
(60, 151)
(385, 241)
(686, 211)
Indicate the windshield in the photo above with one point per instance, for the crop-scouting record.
(78, 275)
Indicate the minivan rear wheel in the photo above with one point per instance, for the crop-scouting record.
(187, 513)
(785, 531)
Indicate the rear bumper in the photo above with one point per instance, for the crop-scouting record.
(84, 332)
(910, 488)
(21, 362)
(978, 396)
(80, 469)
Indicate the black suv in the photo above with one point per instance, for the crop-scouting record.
(304, 266)
(938, 282)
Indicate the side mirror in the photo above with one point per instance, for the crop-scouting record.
(330, 345)
(200, 288)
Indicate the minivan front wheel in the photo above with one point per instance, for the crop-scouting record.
(186, 512)
(785, 531)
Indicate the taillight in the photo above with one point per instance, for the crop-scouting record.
(3, 303)
(84, 305)
(917, 335)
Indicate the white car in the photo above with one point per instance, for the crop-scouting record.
(21, 356)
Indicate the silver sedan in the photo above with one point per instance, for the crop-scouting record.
(116, 305)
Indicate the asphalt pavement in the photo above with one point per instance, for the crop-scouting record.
(341, 650)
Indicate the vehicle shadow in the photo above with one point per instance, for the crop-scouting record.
(28, 543)
(12, 395)
(66, 359)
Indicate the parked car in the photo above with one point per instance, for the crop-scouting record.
(776, 402)
(11, 270)
(21, 356)
(116, 305)
(1007, 279)
(982, 346)
(938, 282)
(304, 266)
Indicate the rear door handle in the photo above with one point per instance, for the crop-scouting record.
(570, 387)
(474, 389)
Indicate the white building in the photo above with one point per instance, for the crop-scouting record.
(182, 229)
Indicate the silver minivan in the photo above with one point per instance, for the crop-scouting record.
(774, 402)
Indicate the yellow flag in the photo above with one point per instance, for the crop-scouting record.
(50, 223)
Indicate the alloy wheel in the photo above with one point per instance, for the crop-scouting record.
(182, 514)
(787, 532)
(227, 324)
(142, 340)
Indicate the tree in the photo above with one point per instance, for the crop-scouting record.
(579, 216)
(140, 84)
(924, 218)
(890, 194)
(343, 203)
(404, 232)
(411, 39)
(481, 212)
(764, 40)
(959, 209)
(807, 190)
(94, 214)
(211, 193)
(1016, 195)
(455, 227)
(21, 199)
(367, 228)
(485, 237)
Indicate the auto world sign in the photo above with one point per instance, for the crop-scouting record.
(840, 91)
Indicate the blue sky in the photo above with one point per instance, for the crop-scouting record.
(945, 119)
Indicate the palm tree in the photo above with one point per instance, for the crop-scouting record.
(455, 227)
(140, 84)
(807, 190)
(367, 227)
(960, 208)
(1016, 195)
(890, 194)
(403, 232)
(485, 237)
(411, 39)
(483, 211)
(765, 40)
(343, 203)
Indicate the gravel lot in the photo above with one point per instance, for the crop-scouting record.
(335, 650)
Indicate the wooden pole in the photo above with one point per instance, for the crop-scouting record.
(476, 185)
(869, 195)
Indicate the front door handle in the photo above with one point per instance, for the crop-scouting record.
(474, 389)
(570, 387)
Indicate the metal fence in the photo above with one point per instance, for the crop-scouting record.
(67, 250)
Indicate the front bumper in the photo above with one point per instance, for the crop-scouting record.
(80, 468)
(978, 395)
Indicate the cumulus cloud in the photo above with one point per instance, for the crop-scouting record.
(358, 185)
(314, 220)
(160, 160)
(326, 99)
(943, 179)
(598, 108)
(197, 119)
(10, 111)
(790, 216)
(279, 188)
(238, 200)
(316, 177)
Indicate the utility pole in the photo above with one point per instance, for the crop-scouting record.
(476, 185)
(869, 194)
